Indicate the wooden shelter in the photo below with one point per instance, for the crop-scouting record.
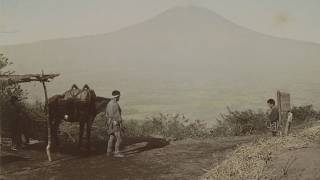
(11, 79)
(42, 78)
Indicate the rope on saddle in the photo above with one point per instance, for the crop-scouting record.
(74, 91)
(86, 87)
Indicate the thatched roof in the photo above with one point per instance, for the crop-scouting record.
(27, 78)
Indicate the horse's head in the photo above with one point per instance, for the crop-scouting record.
(101, 104)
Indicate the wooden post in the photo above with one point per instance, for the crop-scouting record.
(284, 106)
(279, 111)
(48, 119)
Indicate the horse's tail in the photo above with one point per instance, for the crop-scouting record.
(52, 101)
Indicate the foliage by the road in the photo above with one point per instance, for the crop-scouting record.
(304, 114)
(240, 123)
(7, 91)
(174, 126)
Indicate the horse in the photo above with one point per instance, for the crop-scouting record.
(75, 105)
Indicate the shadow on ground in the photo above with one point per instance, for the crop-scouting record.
(33, 155)
(146, 158)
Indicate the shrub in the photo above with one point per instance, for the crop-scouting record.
(34, 113)
(31, 116)
(240, 123)
(7, 110)
(174, 126)
(302, 114)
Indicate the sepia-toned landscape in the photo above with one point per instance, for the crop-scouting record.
(194, 89)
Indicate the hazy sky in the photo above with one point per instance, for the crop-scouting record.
(32, 20)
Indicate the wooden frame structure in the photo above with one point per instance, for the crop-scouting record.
(42, 78)
(284, 105)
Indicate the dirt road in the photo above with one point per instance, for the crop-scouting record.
(146, 158)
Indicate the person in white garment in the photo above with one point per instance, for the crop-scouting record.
(289, 122)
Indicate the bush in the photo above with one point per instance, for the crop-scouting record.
(173, 126)
(240, 123)
(34, 113)
(7, 91)
(31, 116)
(303, 114)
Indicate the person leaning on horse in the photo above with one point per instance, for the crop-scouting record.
(114, 124)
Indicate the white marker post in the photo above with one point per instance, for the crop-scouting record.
(48, 119)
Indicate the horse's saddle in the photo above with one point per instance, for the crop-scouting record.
(78, 95)
(75, 101)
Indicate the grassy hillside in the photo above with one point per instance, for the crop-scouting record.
(252, 161)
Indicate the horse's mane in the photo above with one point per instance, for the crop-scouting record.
(101, 103)
(99, 98)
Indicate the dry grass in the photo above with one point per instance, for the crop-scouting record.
(249, 161)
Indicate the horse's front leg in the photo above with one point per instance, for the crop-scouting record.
(55, 131)
(89, 125)
(81, 133)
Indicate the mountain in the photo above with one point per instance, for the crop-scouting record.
(184, 54)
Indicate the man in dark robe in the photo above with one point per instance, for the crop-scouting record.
(273, 116)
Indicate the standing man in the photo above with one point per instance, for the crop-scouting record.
(114, 124)
(273, 116)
